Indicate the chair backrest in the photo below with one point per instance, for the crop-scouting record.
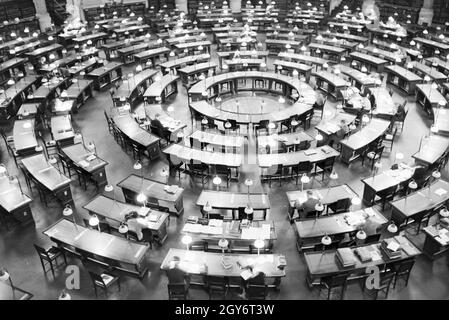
(41, 251)
(176, 290)
(216, 281)
(258, 292)
(221, 169)
(305, 166)
(341, 205)
(335, 281)
(404, 266)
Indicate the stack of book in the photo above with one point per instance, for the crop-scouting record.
(391, 248)
(363, 254)
(346, 257)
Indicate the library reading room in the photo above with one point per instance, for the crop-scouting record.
(224, 150)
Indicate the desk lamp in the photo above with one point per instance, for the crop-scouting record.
(392, 228)
(67, 212)
(223, 244)
(123, 229)
(217, 181)
(318, 209)
(304, 180)
(94, 222)
(259, 244)
(186, 240)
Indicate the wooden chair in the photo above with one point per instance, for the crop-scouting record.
(301, 168)
(334, 282)
(389, 139)
(402, 270)
(256, 292)
(339, 206)
(104, 281)
(373, 156)
(222, 171)
(50, 256)
(200, 170)
(326, 166)
(177, 291)
(217, 285)
(384, 285)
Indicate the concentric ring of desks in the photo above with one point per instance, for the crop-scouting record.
(289, 85)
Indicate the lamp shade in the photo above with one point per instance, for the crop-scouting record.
(4, 275)
(361, 235)
(356, 201)
(305, 178)
(216, 180)
(186, 239)
(259, 244)
(319, 207)
(326, 240)
(123, 228)
(392, 228)
(137, 165)
(67, 211)
(249, 209)
(248, 182)
(333, 175)
(444, 212)
(436, 174)
(223, 243)
(64, 296)
(94, 221)
(413, 185)
(108, 188)
(141, 198)
(319, 137)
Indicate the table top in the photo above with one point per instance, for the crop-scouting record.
(389, 178)
(293, 158)
(61, 127)
(92, 36)
(326, 196)
(44, 50)
(15, 90)
(384, 102)
(325, 263)
(325, 47)
(150, 188)
(28, 110)
(168, 122)
(292, 65)
(24, 136)
(431, 72)
(233, 200)
(137, 47)
(287, 139)
(439, 62)
(98, 243)
(359, 76)
(425, 199)
(81, 66)
(435, 44)
(432, 149)
(188, 59)
(367, 57)
(403, 73)
(332, 125)
(45, 173)
(302, 57)
(151, 52)
(433, 96)
(48, 88)
(79, 155)
(198, 67)
(156, 88)
(232, 230)
(99, 72)
(204, 43)
(346, 36)
(217, 139)
(126, 124)
(373, 130)
(186, 153)
(76, 89)
(11, 197)
(292, 43)
(210, 263)
(368, 219)
(115, 211)
(243, 53)
(331, 78)
(126, 89)
(12, 63)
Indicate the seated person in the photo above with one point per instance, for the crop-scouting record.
(175, 274)
(156, 123)
(306, 207)
(136, 224)
(320, 100)
(400, 112)
(420, 175)
(341, 133)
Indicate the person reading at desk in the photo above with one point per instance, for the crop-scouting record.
(341, 133)
(136, 224)
(156, 123)
(174, 273)
(306, 207)
(320, 100)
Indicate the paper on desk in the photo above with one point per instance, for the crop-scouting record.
(370, 212)
(216, 223)
(440, 192)
(246, 274)
(375, 256)
(153, 217)
(91, 157)
(84, 163)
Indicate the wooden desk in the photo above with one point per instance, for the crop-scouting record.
(110, 49)
(371, 62)
(234, 201)
(313, 155)
(116, 252)
(94, 168)
(48, 177)
(131, 30)
(13, 293)
(330, 83)
(275, 46)
(219, 142)
(210, 263)
(129, 127)
(133, 185)
(322, 264)
(193, 46)
(95, 38)
(80, 92)
(13, 202)
(428, 98)
(303, 70)
(36, 54)
(159, 91)
(350, 37)
(385, 106)
(133, 88)
(128, 53)
(114, 213)
(402, 78)
(183, 39)
(334, 53)
(326, 196)
(65, 62)
(61, 129)
(28, 110)
(429, 46)
(309, 60)
(48, 90)
(418, 202)
(152, 55)
(423, 70)
(24, 137)
(84, 66)
(15, 95)
(442, 66)
(393, 57)
(431, 151)
(309, 232)
(106, 75)
(441, 120)
(358, 79)
(172, 66)
(383, 181)
(223, 55)
(243, 64)
(329, 127)
(354, 145)
(434, 245)
(289, 140)
(9, 67)
(194, 70)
